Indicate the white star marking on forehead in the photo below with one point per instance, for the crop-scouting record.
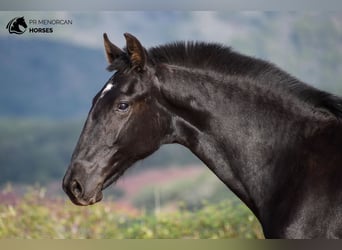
(106, 89)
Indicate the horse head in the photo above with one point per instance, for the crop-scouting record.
(124, 124)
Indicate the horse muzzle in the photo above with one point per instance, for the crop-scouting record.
(82, 184)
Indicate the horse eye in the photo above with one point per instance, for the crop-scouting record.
(123, 106)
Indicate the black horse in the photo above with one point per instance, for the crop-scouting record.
(273, 140)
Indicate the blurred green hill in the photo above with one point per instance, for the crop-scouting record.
(48, 79)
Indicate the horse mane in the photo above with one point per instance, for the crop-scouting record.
(222, 59)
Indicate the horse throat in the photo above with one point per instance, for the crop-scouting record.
(209, 117)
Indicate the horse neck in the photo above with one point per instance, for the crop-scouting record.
(230, 126)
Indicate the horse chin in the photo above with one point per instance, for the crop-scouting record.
(114, 177)
(109, 181)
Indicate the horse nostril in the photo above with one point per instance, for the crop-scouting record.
(76, 188)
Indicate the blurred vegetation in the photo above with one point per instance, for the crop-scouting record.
(35, 150)
(34, 217)
(191, 192)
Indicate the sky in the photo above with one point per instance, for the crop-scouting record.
(156, 27)
(153, 26)
(236, 5)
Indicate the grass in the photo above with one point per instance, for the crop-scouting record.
(36, 217)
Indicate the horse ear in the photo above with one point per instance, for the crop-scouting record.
(135, 51)
(112, 52)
